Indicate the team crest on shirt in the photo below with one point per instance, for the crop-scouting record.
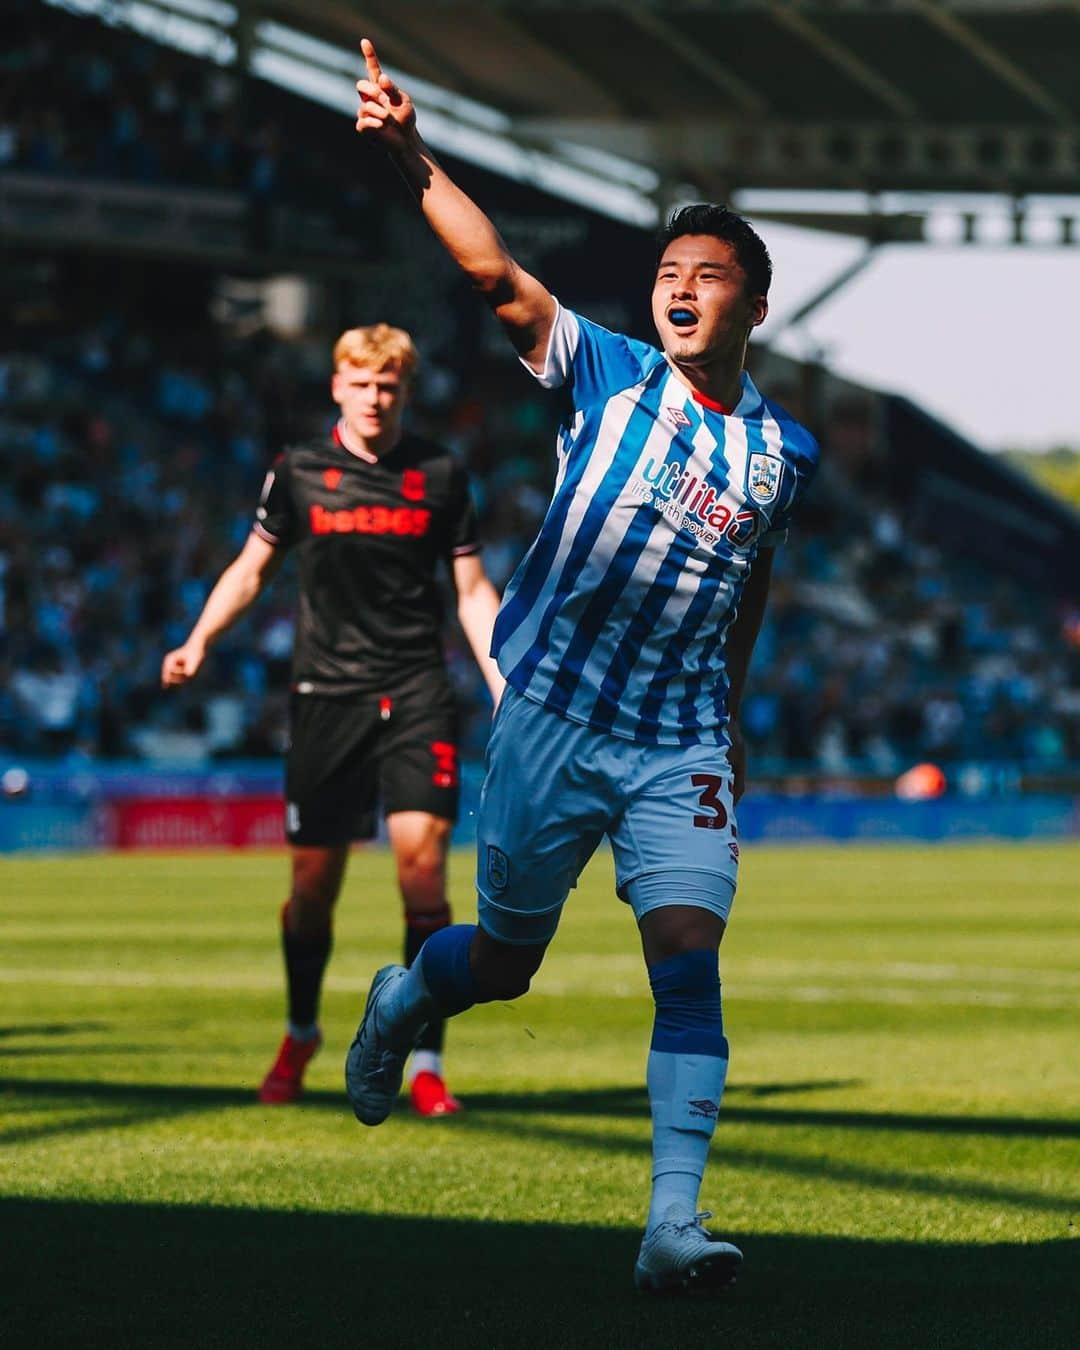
(412, 485)
(763, 474)
(331, 477)
(498, 868)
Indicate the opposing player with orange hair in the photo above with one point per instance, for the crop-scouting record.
(373, 513)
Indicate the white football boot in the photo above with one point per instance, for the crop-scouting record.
(679, 1255)
(374, 1066)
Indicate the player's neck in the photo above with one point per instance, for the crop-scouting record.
(719, 383)
(370, 449)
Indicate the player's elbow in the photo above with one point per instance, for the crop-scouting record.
(494, 284)
(246, 583)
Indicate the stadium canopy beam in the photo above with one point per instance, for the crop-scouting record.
(243, 28)
(521, 40)
(745, 95)
(843, 57)
(833, 286)
(897, 227)
(498, 87)
(995, 60)
(429, 62)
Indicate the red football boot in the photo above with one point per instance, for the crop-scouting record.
(429, 1096)
(285, 1081)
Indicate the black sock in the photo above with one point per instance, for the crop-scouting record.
(417, 932)
(305, 961)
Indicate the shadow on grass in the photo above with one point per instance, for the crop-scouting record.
(30, 1029)
(629, 1102)
(831, 1167)
(57, 1051)
(529, 1116)
(117, 1276)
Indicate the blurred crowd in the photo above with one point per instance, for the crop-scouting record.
(131, 458)
(129, 478)
(83, 100)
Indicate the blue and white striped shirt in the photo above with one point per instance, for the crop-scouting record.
(616, 616)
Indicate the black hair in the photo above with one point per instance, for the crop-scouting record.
(707, 218)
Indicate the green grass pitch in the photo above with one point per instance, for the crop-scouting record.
(897, 1154)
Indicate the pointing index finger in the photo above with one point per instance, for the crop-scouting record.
(372, 60)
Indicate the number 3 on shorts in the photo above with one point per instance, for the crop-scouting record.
(712, 785)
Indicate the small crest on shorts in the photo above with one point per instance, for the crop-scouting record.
(498, 868)
(763, 476)
(331, 477)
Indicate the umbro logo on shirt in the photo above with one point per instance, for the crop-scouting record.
(678, 417)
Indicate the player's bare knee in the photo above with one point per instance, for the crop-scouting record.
(428, 918)
(316, 882)
(313, 893)
(422, 879)
(675, 929)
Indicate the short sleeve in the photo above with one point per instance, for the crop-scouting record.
(462, 534)
(275, 516)
(591, 362)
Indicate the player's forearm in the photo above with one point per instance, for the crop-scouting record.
(743, 633)
(460, 225)
(476, 614)
(236, 590)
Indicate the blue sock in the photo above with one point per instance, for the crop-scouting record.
(444, 959)
(688, 1062)
(439, 983)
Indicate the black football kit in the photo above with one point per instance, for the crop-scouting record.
(372, 712)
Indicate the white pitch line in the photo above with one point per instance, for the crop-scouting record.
(761, 992)
(928, 972)
(757, 969)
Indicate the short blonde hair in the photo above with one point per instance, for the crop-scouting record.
(376, 348)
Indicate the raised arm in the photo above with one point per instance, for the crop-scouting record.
(524, 307)
(235, 590)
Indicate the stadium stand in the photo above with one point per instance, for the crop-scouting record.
(140, 401)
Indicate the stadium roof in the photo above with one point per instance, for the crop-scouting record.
(900, 121)
(722, 95)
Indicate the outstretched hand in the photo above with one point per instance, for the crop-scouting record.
(385, 112)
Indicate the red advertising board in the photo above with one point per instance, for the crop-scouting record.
(197, 822)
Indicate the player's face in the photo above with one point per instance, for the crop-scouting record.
(371, 401)
(700, 302)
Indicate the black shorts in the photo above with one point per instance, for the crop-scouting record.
(348, 753)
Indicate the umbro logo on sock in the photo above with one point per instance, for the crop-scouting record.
(704, 1108)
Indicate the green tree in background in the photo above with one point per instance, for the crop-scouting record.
(1057, 470)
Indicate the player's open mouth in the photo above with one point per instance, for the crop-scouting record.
(681, 317)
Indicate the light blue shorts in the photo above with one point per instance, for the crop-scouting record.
(554, 788)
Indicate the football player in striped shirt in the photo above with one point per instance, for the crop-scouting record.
(624, 638)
